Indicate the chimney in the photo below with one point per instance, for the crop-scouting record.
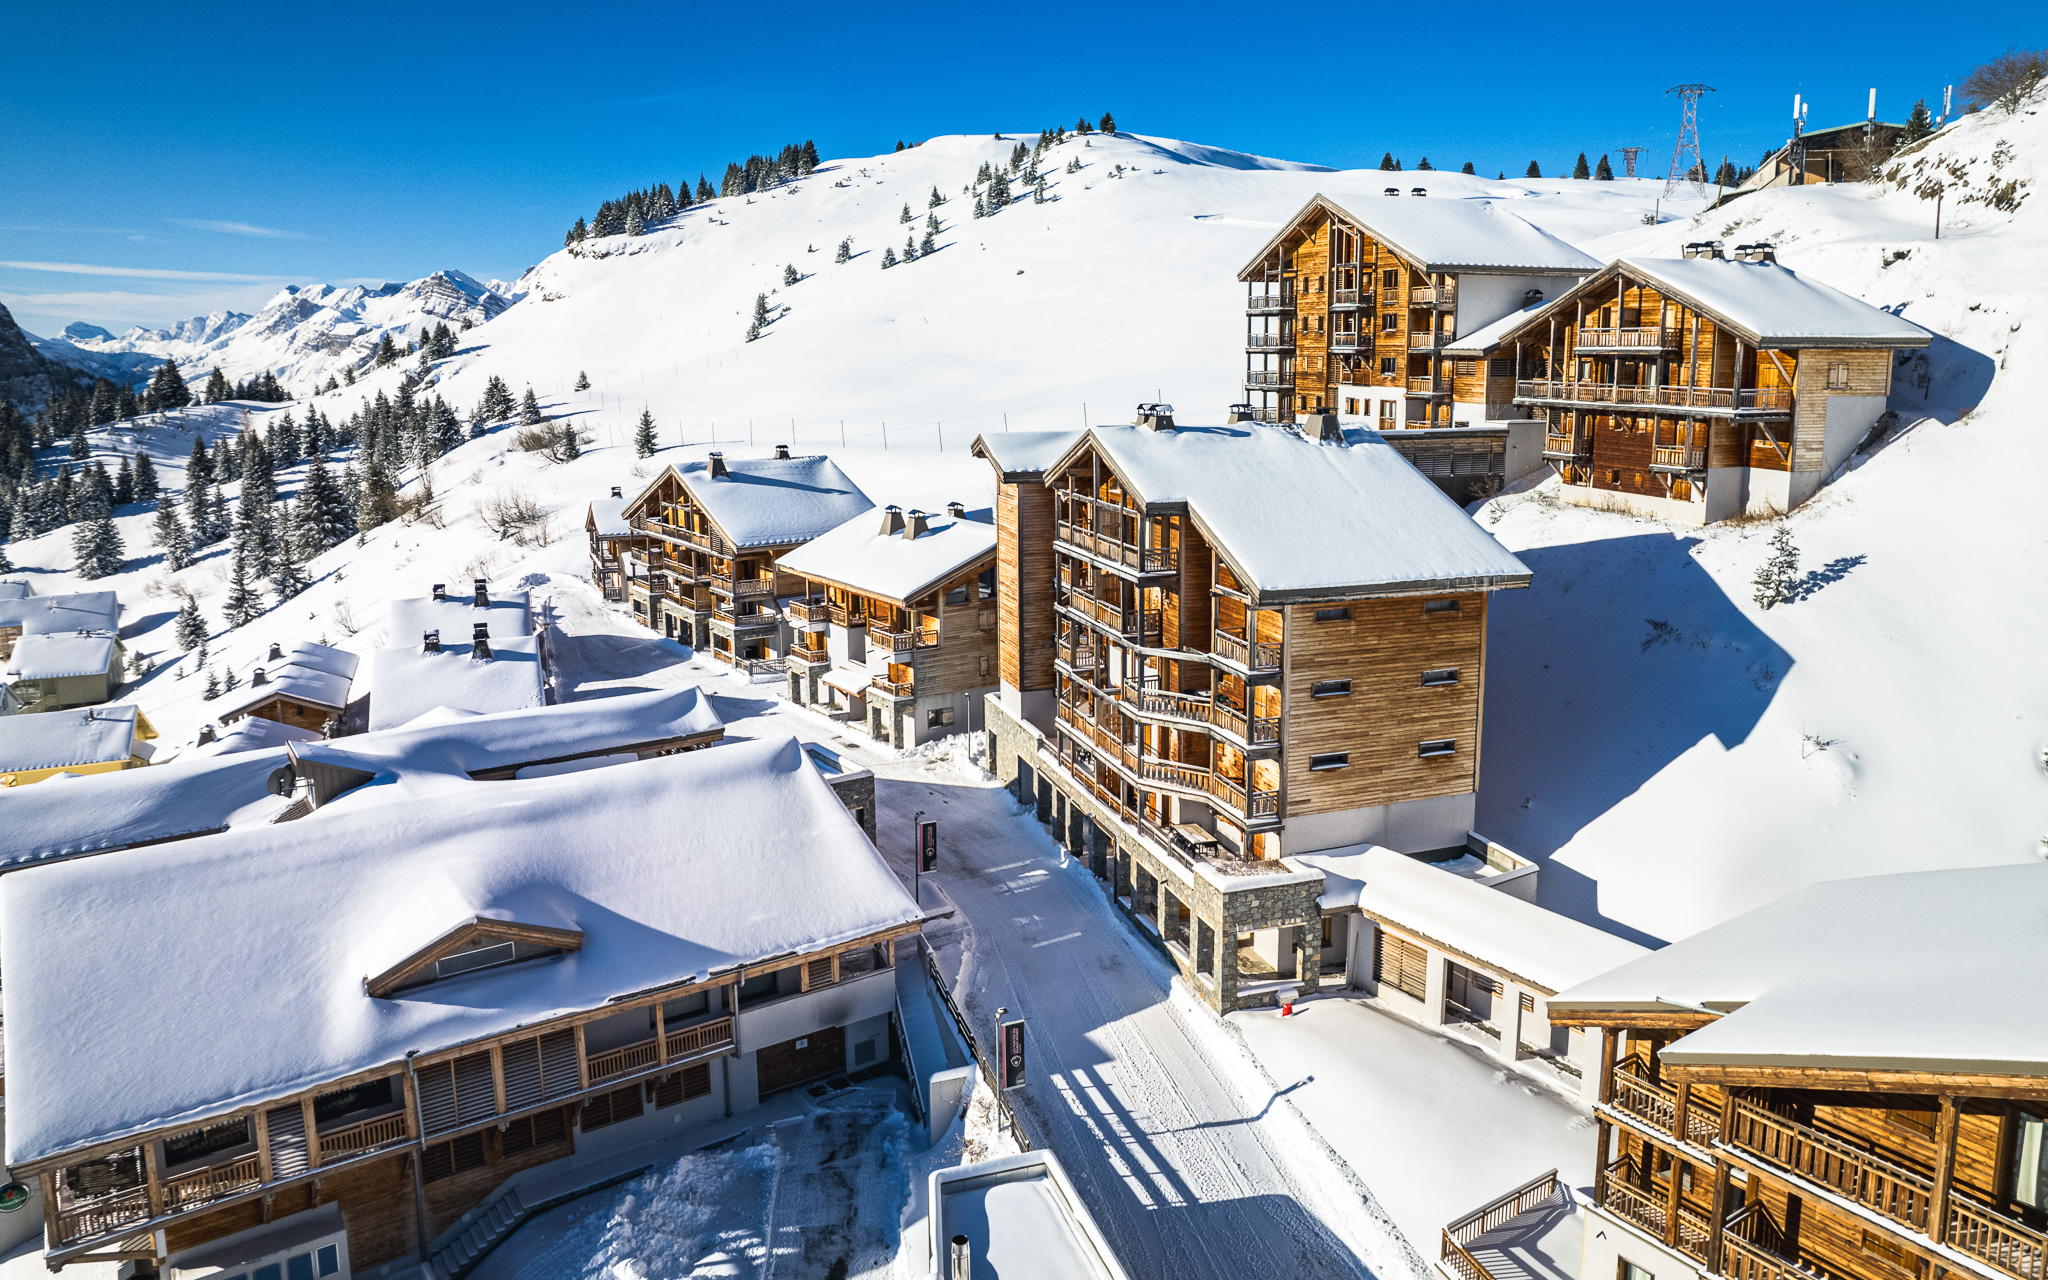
(1241, 413)
(917, 525)
(1155, 417)
(480, 644)
(261, 677)
(1326, 428)
(1391, 191)
(1532, 297)
(205, 734)
(431, 642)
(483, 595)
(440, 591)
(718, 465)
(782, 451)
(892, 519)
(276, 651)
(957, 510)
(616, 493)
(1419, 191)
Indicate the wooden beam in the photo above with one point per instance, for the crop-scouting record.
(1852, 1080)
(260, 1120)
(1944, 1169)
(1717, 1216)
(1674, 1169)
(1608, 1046)
(313, 1126)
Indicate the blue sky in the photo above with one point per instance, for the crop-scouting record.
(174, 160)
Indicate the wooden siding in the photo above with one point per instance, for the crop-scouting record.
(1869, 374)
(376, 1205)
(1024, 573)
(299, 715)
(968, 634)
(1383, 650)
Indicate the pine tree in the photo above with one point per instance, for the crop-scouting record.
(845, 250)
(496, 405)
(191, 626)
(1919, 124)
(936, 199)
(1603, 172)
(97, 543)
(931, 224)
(1424, 165)
(761, 309)
(910, 249)
(6, 565)
(81, 447)
(529, 410)
(171, 538)
(217, 522)
(1074, 165)
(218, 387)
(582, 381)
(1388, 164)
(790, 276)
(124, 482)
(286, 579)
(635, 225)
(1468, 169)
(980, 210)
(571, 447)
(906, 215)
(379, 504)
(387, 350)
(323, 517)
(926, 245)
(1535, 170)
(1774, 581)
(1725, 175)
(643, 435)
(1108, 124)
(212, 686)
(888, 259)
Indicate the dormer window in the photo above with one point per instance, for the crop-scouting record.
(473, 947)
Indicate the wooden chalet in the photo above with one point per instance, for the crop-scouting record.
(897, 625)
(707, 574)
(23, 612)
(611, 539)
(1698, 388)
(306, 687)
(463, 992)
(1781, 1100)
(1246, 660)
(1349, 308)
(89, 740)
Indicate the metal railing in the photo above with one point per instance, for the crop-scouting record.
(1268, 303)
(1671, 397)
(1268, 378)
(1268, 341)
(988, 1075)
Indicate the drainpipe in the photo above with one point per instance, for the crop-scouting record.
(419, 1186)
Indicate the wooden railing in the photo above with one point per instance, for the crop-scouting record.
(1440, 295)
(1488, 1217)
(1268, 378)
(841, 615)
(1647, 1210)
(1659, 396)
(1992, 1238)
(705, 1037)
(807, 612)
(1424, 340)
(1350, 297)
(749, 587)
(1267, 341)
(1265, 303)
(613, 1063)
(1680, 458)
(1252, 657)
(108, 1213)
(895, 688)
(805, 653)
(1870, 1180)
(353, 1139)
(1745, 1260)
(1645, 338)
(1563, 446)
(902, 640)
(1427, 385)
(1656, 1105)
(1351, 342)
(734, 618)
(204, 1186)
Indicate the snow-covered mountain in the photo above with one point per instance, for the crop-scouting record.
(307, 333)
(1670, 752)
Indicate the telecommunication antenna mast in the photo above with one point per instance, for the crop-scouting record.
(1628, 157)
(1688, 141)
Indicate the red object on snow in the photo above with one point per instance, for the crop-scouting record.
(1287, 1010)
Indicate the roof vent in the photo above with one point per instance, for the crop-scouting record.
(431, 642)
(1761, 251)
(1418, 191)
(717, 461)
(440, 591)
(782, 451)
(1241, 413)
(616, 493)
(1532, 297)
(480, 643)
(1326, 428)
(260, 677)
(1391, 191)
(957, 510)
(1704, 249)
(917, 525)
(276, 651)
(483, 595)
(1155, 417)
(206, 734)
(892, 519)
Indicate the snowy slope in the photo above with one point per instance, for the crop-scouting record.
(306, 334)
(1653, 737)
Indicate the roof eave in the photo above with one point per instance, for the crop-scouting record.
(1413, 587)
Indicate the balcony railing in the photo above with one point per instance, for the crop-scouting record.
(1428, 386)
(1250, 656)
(1424, 340)
(625, 1061)
(806, 655)
(1679, 459)
(811, 611)
(1205, 709)
(1268, 378)
(1744, 1260)
(105, 1214)
(1563, 446)
(1490, 1217)
(840, 615)
(733, 618)
(1231, 791)
(1587, 392)
(1647, 1209)
(204, 1186)
(703, 1038)
(901, 640)
(706, 1037)
(1137, 625)
(1643, 338)
(753, 588)
(895, 688)
(1261, 304)
(1351, 342)
(1440, 295)
(1268, 341)
(1350, 297)
(1656, 1106)
(366, 1136)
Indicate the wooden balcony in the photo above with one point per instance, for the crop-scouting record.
(1488, 1220)
(1269, 379)
(1137, 625)
(1202, 708)
(726, 614)
(624, 1061)
(1678, 459)
(1424, 340)
(1644, 338)
(1648, 1210)
(700, 1040)
(810, 611)
(895, 688)
(1349, 299)
(1440, 296)
(204, 1186)
(1267, 304)
(753, 588)
(803, 655)
(1252, 657)
(901, 640)
(1351, 342)
(1561, 445)
(1428, 387)
(1746, 1260)
(354, 1139)
(703, 1038)
(1655, 1106)
(1217, 786)
(1570, 391)
(843, 616)
(1268, 342)
(102, 1215)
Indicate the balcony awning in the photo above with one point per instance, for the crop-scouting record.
(852, 681)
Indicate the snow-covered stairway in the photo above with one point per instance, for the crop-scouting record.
(490, 1225)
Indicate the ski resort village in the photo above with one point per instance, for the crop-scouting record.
(1048, 705)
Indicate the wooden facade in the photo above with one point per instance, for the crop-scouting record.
(442, 1129)
(1790, 1173)
(610, 551)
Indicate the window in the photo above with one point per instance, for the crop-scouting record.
(197, 1144)
(1329, 688)
(683, 1008)
(981, 667)
(938, 717)
(960, 593)
(1400, 964)
(1435, 747)
(480, 958)
(1335, 613)
(759, 987)
(1630, 1271)
(1351, 406)
(1613, 476)
(1390, 321)
(458, 1155)
(1387, 367)
(1329, 760)
(1440, 606)
(2030, 1160)
(373, 1095)
(1464, 368)
(1391, 278)
(987, 583)
(330, 1259)
(1838, 377)
(1436, 676)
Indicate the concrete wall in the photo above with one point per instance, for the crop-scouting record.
(1408, 826)
(1483, 299)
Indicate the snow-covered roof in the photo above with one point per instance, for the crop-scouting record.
(1300, 519)
(406, 683)
(772, 502)
(315, 657)
(1017, 455)
(68, 816)
(456, 743)
(1892, 972)
(294, 684)
(47, 615)
(607, 517)
(860, 557)
(1774, 306)
(16, 590)
(770, 863)
(1501, 932)
(252, 733)
(1448, 234)
(59, 739)
(1485, 340)
(54, 656)
(508, 614)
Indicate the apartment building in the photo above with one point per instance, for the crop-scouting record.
(897, 624)
(611, 539)
(1351, 306)
(1252, 645)
(1698, 388)
(1812, 1090)
(369, 1020)
(707, 574)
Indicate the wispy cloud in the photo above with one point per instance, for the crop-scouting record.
(138, 273)
(47, 313)
(237, 228)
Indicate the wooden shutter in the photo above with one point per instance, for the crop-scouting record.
(820, 974)
(475, 1097)
(437, 1097)
(1401, 965)
(691, 1082)
(523, 1087)
(288, 1155)
(558, 1073)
